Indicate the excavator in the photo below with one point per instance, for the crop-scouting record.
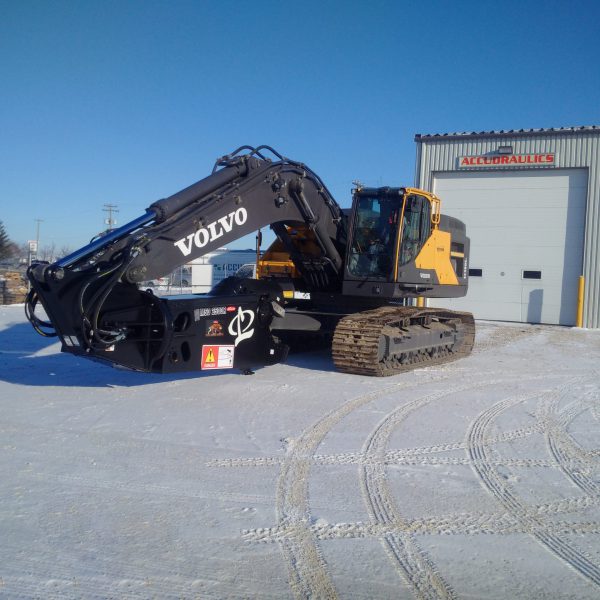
(344, 277)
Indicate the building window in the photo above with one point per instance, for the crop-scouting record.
(532, 274)
(475, 272)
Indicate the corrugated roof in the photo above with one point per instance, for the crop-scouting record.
(507, 133)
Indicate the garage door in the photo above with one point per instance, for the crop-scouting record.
(526, 231)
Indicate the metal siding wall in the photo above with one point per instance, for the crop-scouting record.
(572, 150)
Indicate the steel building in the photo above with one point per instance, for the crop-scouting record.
(531, 203)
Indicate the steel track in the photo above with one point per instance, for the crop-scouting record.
(355, 346)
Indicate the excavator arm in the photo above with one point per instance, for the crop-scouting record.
(95, 306)
(247, 193)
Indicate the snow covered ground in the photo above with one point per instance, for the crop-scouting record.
(480, 479)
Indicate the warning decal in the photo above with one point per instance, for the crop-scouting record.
(217, 357)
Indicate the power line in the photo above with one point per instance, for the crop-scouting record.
(110, 209)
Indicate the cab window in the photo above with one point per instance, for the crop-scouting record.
(416, 227)
(374, 239)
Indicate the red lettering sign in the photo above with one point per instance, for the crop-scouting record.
(505, 160)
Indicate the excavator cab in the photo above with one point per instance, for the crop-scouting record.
(401, 246)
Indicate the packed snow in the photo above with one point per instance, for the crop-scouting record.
(478, 479)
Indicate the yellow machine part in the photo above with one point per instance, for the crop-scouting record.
(277, 264)
(435, 255)
(276, 261)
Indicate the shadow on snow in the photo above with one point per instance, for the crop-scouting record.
(27, 358)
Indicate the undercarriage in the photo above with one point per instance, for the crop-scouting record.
(394, 339)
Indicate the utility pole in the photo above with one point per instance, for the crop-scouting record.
(110, 209)
(37, 230)
(34, 246)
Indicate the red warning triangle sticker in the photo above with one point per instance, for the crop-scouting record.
(209, 357)
(217, 357)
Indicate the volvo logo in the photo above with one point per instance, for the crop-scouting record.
(213, 231)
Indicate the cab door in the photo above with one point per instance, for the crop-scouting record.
(416, 228)
(374, 236)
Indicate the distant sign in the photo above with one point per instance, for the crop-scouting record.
(33, 246)
(508, 160)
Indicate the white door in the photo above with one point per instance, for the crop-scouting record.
(527, 230)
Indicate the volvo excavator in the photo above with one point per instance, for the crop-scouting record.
(344, 277)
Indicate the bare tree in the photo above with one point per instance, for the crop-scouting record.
(47, 252)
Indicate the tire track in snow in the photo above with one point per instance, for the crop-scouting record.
(479, 452)
(308, 573)
(411, 562)
(391, 456)
(575, 462)
(307, 570)
(454, 524)
(409, 559)
(461, 524)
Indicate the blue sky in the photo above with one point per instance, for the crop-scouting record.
(127, 102)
